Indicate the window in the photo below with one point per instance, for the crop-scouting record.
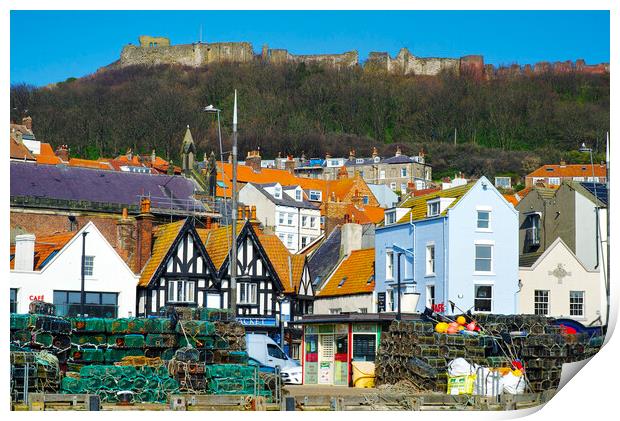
(554, 181)
(365, 200)
(96, 304)
(315, 195)
(289, 218)
(430, 259)
(432, 208)
(392, 303)
(298, 195)
(13, 305)
(281, 218)
(335, 310)
(390, 217)
(364, 347)
(289, 240)
(483, 258)
(594, 179)
(88, 265)
(430, 296)
(541, 302)
(576, 303)
(277, 192)
(382, 174)
(403, 187)
(483, 298)
(281, 237)
(532, 230)
(484, 218)
(389, 265)
(312, 221)
(181, 291)
(274, 351)
(393, 186)
(403, 172)
(247, 293)
(304, 221)
(578, 178)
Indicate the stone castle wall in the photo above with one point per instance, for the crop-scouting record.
(158, 50)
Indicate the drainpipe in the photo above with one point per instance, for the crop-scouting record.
(82, 293)
(445, 263)
(413, 249)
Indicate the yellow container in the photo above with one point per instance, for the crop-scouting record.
(363, 374)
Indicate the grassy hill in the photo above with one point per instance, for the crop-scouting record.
(502, 125)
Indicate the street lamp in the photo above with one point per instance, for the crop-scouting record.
(281, 299)
(82, 294)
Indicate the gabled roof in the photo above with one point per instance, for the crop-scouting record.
(366, 214)
(588, 189)
(536, 258)
(19, 151)
(510, 198)
(286, 199)
(164, 238)
(217, 242)
(46, 247)
(354, 275)
(571, 170)
(417, 205)
(47, 156)
(90, 163)
(325, 258)
(288, 266)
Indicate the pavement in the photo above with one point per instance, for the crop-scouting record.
(325, 390)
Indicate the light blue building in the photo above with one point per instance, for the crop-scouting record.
(457, 245)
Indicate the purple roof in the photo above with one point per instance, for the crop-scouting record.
(74, 183)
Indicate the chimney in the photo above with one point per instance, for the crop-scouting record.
(63, 153)
(352, 155)
(375, 152)
(144, 226)
(125, 239)
(562, 163)
(398, 152)
(27, 121)
(239, 213)
(253, 160)
(350, 238)
(289, 164)
(328, 155)
(129, 154)
(24, 252)
(208, 223)
(253, 213)
(153, 156)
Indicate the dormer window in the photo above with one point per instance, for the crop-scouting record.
(432, 208)
(315, 195)
(298, 195)
(390, 217)
(277, 192)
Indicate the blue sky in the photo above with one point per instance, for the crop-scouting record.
(50, 46)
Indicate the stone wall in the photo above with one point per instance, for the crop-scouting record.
(194, 55)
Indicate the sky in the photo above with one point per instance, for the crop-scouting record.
(51, 46)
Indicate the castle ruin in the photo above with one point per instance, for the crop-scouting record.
(158, 50)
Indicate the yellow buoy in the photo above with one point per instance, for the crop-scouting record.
(461, 320)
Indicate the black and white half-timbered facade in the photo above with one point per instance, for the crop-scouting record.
(179, 272)
(302, 301)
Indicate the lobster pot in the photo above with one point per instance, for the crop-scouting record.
(89, 324)
(94, 339)
(134, 341)
(160, 340)
(22, 321)
(158, 325)
(195, 328)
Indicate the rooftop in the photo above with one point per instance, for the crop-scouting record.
(417, 205)
(570, 170)
(354, 275)
(45, 248)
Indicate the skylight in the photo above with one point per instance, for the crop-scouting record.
(342, 282)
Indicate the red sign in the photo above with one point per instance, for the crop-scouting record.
(439, 308)
(36, 298)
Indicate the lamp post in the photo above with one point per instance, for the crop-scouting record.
(82, 293)
(281, 298)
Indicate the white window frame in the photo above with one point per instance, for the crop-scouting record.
(484, 244)
(89, 265)
(393, 186)
(390, 217)
(304, 220)
(582, 304)
(188, 290)
(247, 293)
(578, 179)
(430, 300)
(277, 192)
(382, 175)
(433, 207)
(312, 221)
(541, 301)
(304, 241)
(298, 195)
(289, 218)
(289, 240)
(389, 264)
(555, 181)
(430, 259)
(315, 195)
(281, 218)
(478, 220)
(479, 284)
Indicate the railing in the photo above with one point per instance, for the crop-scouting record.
(532, 236)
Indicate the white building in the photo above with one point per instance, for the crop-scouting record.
(558, 285)
(285, 210)
(49, 269)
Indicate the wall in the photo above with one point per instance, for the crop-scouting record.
(347, 303)
(110, 274)
(577, 279)
(463, 235)
(194, 55)
(586, 235)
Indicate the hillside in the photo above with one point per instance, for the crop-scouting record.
(503, 125)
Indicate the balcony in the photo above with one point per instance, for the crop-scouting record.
(532, 237)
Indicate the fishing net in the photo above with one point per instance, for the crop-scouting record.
(134, 341)
(94, 339)
(195, 328)
(21, 321)
(161, 340)
(158, 325)
(89, 324)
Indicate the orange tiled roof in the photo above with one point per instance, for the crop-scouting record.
(281, 260)
(357, 271)
(47, 156)
(19, 151)
(164, 237)
(511, 199)
(572, 170)
(45, 246)
(217, 242)
(299, 261)
(89, 163)
(367, 214)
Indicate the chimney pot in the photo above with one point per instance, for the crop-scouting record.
(125, 214)
(24, 252)
(253, 210)
(145, 205)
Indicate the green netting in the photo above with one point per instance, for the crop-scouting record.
(229, 370)
(89, 324)
(118, 326)
(221, 386)
(201, 342)
(116, 340)
(169, 384)
(158, 325)
(161, 371)
(213, 314)
(195, 328)
(71, 385)
(147, 395)
(136, 325)
(88, 339)
(21, 336)
(161, 340)
(43, 339)
(87, 354)
(21, 321)
(134, 341)
(238, 357)
(115, 355)
(168, 354)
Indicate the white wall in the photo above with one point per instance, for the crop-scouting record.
(63, 272)
(347, 303)
(580, 279)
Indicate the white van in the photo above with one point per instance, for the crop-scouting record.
(264, 350)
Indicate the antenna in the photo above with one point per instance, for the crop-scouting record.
(200, 36)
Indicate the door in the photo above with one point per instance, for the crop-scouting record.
(326, 358)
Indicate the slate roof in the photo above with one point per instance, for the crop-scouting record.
(46, 247)
(325, 257)
(286, 199)
(418, 207)
(164, 237)
(528, 259)
(588, 189)
(76, 183)
(355, 275)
